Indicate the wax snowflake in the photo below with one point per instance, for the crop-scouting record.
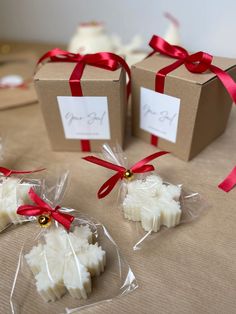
(153, 203)
(66, 262)
(13, 193)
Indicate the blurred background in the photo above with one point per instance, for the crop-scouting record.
(29, 28)
(204, 24)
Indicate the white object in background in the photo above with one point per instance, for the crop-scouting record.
(90, 38)
(121, 49)
(130, 51)
(172, 34)
(153, 203)
(11, 80)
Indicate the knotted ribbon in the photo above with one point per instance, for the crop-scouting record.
(104, 60)
(229, 182)
(42, 207)
(198, 62)
(141, 166)
(8, 172)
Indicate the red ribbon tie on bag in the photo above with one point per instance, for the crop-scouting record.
(41, 208)
(141, 166)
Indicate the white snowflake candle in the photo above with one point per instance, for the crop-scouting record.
(66, 262)
(13, 193)
(153, 203)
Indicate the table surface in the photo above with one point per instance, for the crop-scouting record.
(191, 269)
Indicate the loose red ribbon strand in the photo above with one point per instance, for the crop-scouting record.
(8, 172)
(198, 62)
(141, 166)
(42, 207)
(229, 182)
(104, 60)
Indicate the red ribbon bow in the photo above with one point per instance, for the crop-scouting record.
(140, 167)
(8, 172)
(104, 60)
(42, 207)
(198, 62)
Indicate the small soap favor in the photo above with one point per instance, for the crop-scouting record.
(146, 200)
(14, 187)
(65, 263)
(68, 261)
(153, 203)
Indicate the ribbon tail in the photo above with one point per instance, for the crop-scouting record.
(229, 182)
(108, 186)
(37, 200)
(144, 168)
(104, 163)
(226, 80)
(63, 218)
(139, 164)
(30, 210)
(7, 172)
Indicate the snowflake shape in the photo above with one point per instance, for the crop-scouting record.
(66, 262)
(152, 202)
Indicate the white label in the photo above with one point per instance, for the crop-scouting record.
(159, 114)
(84, 117)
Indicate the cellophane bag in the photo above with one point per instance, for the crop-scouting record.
(150, 203)
(14, 187)
(62, 270)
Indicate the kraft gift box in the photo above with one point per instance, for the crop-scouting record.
(193, 116)
(98, 116)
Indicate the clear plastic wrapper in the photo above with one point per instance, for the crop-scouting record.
(14, 189)
(63, 269)
(146, 200)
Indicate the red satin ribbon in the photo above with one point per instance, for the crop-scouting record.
(140, 167)
(8, 172)
(229, 182)
(104, 60)
(42, 207)
(198, 62)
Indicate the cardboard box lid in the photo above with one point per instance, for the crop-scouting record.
(157, 62)
(62, 71)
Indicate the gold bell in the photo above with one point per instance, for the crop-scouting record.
(128, 174)
(44, 220)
